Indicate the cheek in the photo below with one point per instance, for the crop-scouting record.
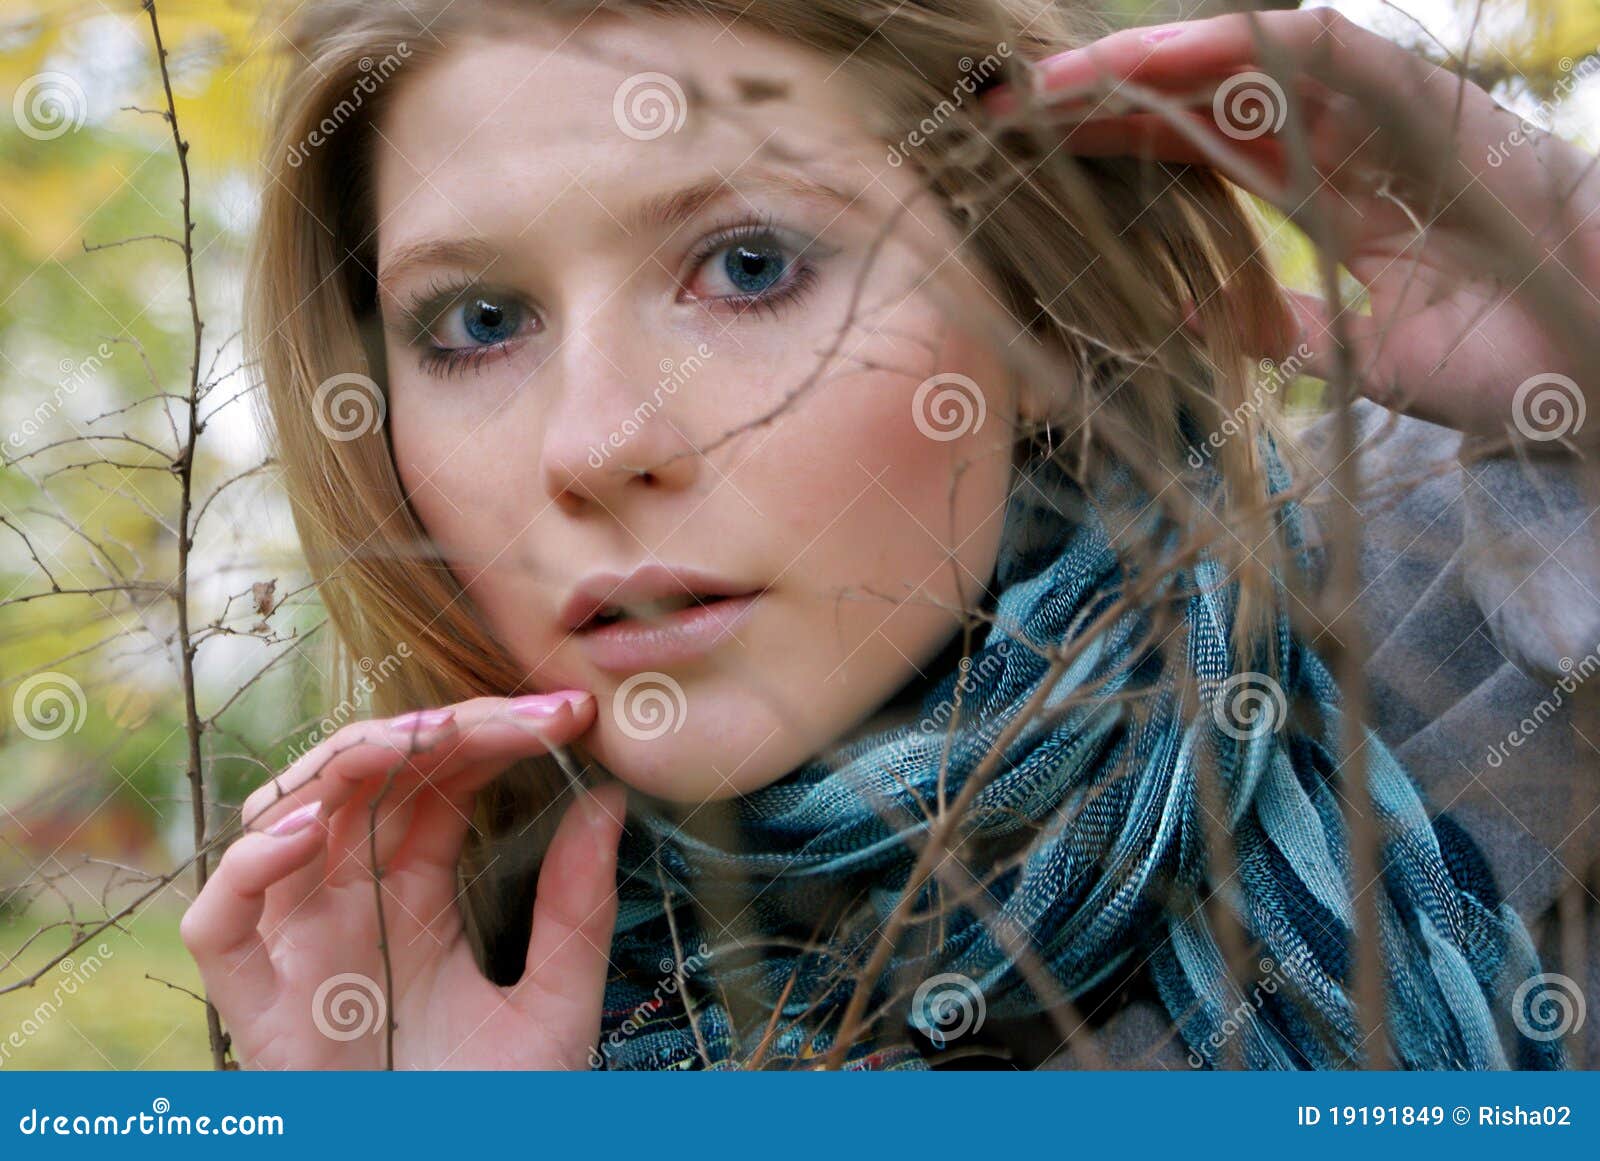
(908, 464)
(457, 479)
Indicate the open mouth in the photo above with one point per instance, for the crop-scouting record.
(657, 609)
(627, 634)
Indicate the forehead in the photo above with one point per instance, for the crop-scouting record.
(548, 111)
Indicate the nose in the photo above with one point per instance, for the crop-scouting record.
(610, 434)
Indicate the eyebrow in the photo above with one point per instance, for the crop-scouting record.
(657, 212)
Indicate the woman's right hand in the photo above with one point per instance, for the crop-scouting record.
(286, 930)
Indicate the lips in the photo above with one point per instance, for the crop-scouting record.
(646, 593)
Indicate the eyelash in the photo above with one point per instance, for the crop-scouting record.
(799, 278)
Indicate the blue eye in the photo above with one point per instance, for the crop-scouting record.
(754, 268)
(489, 322)
(456, 327)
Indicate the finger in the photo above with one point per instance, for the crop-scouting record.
(410, 747)
(444, 807)
(573, 916)
(491, 734)
(1338, 52)
(222, 927)
(333, 771)
(1374, 344)
(482, 737)
(1241, 65)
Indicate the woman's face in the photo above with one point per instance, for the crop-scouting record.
(616, 342)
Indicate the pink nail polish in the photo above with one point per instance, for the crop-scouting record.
(296, 820)
(538, 705)
(543, 705)
(1157, 35)
(419, 721)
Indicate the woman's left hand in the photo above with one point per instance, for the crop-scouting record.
(1450, 338)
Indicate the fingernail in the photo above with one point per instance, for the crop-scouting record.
(296, 820)
(539, 705)
(418, 721)
(543, 705)
(1157, 35)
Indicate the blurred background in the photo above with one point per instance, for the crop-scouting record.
(96, 358)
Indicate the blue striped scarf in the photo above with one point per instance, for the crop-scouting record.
(1098, 808)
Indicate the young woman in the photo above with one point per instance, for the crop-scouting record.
(821, 646)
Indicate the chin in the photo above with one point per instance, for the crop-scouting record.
(692, 765)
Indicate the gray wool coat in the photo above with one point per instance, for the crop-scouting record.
(1480, 600)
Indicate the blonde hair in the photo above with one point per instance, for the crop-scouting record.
(1097, 261)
